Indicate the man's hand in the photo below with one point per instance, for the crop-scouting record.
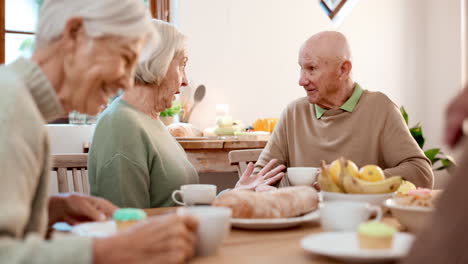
(162, 239)
(455, 114)
(75, 208)
(267, 176)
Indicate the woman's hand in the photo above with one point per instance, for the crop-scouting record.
(266, 176)
(163, 239)
(75, 208)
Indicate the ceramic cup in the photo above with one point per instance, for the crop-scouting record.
(302, 175)
(195, 194)
(346, 215)
(213, 226)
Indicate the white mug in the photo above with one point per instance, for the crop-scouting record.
(213, 226)
(195, 194)
(302, 175)
(346, 215)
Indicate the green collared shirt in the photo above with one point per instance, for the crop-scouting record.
(349, 105)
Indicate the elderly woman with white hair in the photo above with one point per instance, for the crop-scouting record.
(86, 49)
(133, 160)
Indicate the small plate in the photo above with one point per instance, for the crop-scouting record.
(95, 229)
(274, 223)
(344, 246)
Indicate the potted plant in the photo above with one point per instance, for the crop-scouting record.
(442, 163)
(167, 116)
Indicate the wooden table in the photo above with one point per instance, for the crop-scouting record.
(272, 246)
(209, 156)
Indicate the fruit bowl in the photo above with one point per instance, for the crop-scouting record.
(412, 217)
(376, 199)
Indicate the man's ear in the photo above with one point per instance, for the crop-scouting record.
(345, 69)
(71, 33)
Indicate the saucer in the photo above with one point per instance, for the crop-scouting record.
(95, 229)
(344, 246)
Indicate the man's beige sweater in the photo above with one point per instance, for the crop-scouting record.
(373, 133)
(27, 101)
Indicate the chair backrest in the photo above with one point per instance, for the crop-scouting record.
(77, 164)
(241, 158)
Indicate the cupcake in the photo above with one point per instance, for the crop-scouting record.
(375, 235)
(126, 217)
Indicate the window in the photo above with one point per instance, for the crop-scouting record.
(18, 19)
(336, 10)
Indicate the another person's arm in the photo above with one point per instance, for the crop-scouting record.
(401, 153)
(445, 239)
(23, 200)
(456, 113)
(75, 208)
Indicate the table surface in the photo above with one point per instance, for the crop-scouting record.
(271, 246)
(211, 155)
(228, 143)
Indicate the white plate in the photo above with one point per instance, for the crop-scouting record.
(274, 223)
(95, 229)
(344, 246)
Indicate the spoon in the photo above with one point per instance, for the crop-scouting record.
(197, 97)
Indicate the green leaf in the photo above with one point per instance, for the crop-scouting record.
(417, 134)
(173, 110)
(404, 114)
(431, 154)
(434, 155)
(446, 162)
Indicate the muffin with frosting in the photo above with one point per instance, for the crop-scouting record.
(375, 235)
(127, 217)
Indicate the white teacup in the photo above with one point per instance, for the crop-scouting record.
(346, 215)
(195, 194)
(213, 226)
(302, 175)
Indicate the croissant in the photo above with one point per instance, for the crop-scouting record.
(281, 203)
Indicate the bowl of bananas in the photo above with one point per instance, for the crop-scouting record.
(342, 180)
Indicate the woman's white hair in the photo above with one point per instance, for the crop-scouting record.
(128, 18)
(159, 53)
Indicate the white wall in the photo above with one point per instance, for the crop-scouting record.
(444, 64)
(245, 52)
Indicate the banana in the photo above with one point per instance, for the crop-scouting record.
(325, 182)
(358, 186)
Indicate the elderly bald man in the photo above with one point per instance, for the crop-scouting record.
(85, 51)
(339, 118)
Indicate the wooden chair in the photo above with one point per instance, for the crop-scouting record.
(77, 164)
(240, 158)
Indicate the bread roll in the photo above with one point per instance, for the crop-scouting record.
(183, 130)
(280, 203)
(178, 131)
